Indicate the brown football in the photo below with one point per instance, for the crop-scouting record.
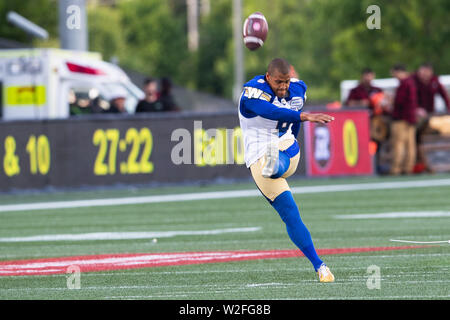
(255, 30)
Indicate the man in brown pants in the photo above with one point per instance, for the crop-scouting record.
(403, 128)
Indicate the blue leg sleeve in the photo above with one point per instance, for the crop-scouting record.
(286, 207)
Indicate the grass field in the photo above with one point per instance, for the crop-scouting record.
(420, 213)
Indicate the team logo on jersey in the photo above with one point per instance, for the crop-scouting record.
(297, 103)
(255, 93)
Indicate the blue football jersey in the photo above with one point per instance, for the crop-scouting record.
(264, 117)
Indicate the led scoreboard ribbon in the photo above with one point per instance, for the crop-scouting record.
(137, 144)
(39, 157)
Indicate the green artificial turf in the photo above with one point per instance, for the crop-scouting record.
(405, 274)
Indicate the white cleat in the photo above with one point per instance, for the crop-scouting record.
(271, 160)
(325, 274)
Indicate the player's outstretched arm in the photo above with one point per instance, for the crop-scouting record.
(316, 117)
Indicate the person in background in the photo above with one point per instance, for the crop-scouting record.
(74, 108)
(78, 105)
(166, 97)
(361, 95)
(151, 102)
(428, 86)
(117, 102)
(403, 127)
(293, 73)
(378, 103)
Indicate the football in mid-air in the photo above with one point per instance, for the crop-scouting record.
(255, 30)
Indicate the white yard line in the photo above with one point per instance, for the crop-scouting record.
(124, 235)
(221, 195)
(420, 242)
(394, 215)
(361, 270)
(230, 287)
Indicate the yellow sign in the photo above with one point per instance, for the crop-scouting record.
(26, 95)
(350, 139)
(139, 145)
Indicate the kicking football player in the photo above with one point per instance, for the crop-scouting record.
(270, 114)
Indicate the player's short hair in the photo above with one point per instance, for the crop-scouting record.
(280, 65)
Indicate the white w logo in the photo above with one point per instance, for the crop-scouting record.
(252, 93)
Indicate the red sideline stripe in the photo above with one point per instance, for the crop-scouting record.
(146, 260)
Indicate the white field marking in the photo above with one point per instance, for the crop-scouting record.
(220, 195)
(368, 297)
(176, 244)
(417, 255)
(420, 242)
(124, 235)
(300, 269)
(165, 287)
(134, 274)
(235, 286)
(36, 267)
(225, 288)
(394, 215)
(170, 258)
(252, 285)
(201, 288)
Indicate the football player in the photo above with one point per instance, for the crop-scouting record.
(270, 114)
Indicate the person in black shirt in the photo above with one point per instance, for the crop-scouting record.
(166, 97)
(151, 102)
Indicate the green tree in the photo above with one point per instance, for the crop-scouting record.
(326, 41)
(215, 34)
(105, 32)
(40, 12)
(410, 33)
(155, 40)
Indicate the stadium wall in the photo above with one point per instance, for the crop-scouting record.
(108, 150)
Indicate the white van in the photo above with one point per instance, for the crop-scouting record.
(40, 83)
